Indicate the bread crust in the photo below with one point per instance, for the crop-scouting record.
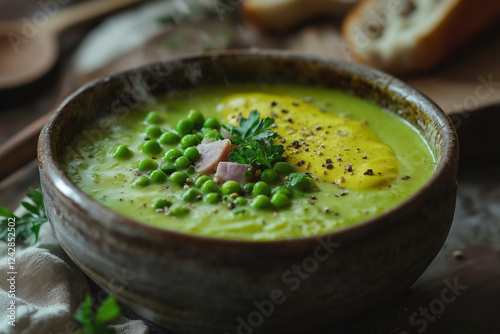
(459, 23)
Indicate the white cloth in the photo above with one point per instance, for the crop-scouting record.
(49, 288)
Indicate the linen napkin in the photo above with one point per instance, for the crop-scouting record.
(49, 288)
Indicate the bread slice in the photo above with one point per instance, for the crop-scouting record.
(284, 14)
(408, 36)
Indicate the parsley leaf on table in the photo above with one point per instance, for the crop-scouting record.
(255, 142)
(28, 225)
(97, 324)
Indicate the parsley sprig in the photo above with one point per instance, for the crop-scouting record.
(300, 182)
(255, 142)
(97, 324)
(28, 225)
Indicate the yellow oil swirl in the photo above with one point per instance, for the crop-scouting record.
(335, 149)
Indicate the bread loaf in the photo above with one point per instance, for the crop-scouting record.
(408, 36)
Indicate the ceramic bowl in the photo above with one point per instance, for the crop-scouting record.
(192, 284)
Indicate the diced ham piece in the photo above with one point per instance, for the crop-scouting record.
(211, 154)
(233, 171)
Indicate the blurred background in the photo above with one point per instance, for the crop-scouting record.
(465, 84)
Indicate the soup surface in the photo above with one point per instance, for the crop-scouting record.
(359, 161)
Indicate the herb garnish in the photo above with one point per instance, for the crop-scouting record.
(252, 128)
(300, 182)
(28, 225)
(97, 324)
(255, 144)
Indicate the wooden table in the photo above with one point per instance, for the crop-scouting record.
(460, 291)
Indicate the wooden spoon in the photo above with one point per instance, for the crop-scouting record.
(36, 55)
(29, 48)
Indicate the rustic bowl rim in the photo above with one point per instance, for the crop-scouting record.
(445, 162)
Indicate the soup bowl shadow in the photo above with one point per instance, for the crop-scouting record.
(193, 284)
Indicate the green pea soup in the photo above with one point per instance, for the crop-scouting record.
(113, 179)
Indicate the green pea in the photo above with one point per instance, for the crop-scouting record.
(268, 176)
(191, 170)
(196, 117)
(184, 127)
(121, 152)
(230, 187)
(210, 186)
(280, 200)
(283, 168)
(240, 201)
(261, 202)
(153, 131)
(161, 203)
(212, 198)
(248, 188)
(151, 147)
(192, 153)
(153, 117)
(158, 177)
(200, 136)
(201, 180)
(191, 195)
(179, 177)
(179, 210)
(261, 188)
(189, 140)
(172, 154)
(146, 165)
(182, 162)
(214, 134)
(168, 167)
(141, 182)
(169, 138)
(282, 190)
(211, 123)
